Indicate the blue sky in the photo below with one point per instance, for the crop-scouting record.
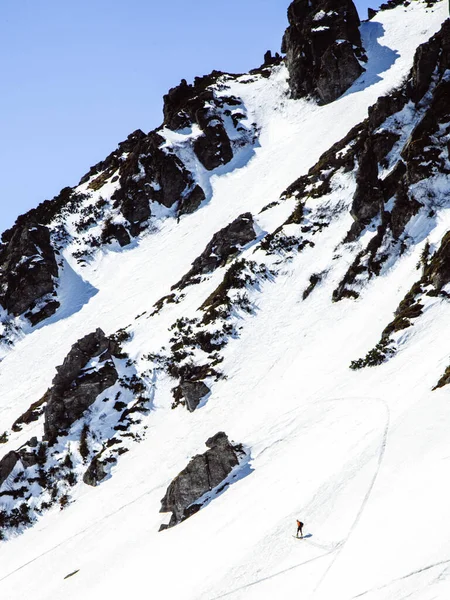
(78, 76)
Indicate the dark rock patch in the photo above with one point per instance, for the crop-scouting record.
(368, 198)
(322, 46)
(7, 464)
(35, 410)
(203, 473)
(150, 173)
(95, 473)
(191, 200)
(224, 244)
(187, 104)
(115, 231)
(28, 272)
(74, 387)
(193, 392)
(437, 272)
(424, 155)
(444, 380)
(314, 280)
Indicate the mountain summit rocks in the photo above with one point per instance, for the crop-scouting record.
(323, 48)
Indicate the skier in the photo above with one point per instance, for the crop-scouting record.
(300, 528)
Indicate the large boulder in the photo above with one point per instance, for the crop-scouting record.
(28, 272)
(79, 381)
(202, 474)
(323, 48)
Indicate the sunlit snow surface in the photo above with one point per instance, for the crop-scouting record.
(361, 457)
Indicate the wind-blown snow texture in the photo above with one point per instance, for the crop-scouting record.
(360, 455)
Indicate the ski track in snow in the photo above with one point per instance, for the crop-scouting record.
(340, 546)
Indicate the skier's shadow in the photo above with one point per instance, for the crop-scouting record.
(308, 535)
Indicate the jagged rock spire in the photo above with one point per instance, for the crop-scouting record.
(323, 48)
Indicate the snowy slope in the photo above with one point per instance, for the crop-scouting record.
(361, 456)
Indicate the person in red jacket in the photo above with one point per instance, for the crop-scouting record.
(299, 528)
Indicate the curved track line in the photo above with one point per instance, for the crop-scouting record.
(32, 560)
(366, 497)
(416, 572)
(273, 576)
(340, 546)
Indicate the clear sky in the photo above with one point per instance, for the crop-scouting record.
(77, 76)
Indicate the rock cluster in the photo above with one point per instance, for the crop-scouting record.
(202, 474)
(323, 48)
(78, 383)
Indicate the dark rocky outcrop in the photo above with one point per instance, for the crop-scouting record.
(95, 473)
(368, 198)
(76, 387)
(151, 173)
(145, 169)
(193, 392)
(33, 413)
(28, 272)
(187, 104)
(437, 271)
(424, 154)
(323, 48)
(271, 60)
(67, 200)
(224, 244)
(203, 473)
(444, 379)
(115, 231)
(7, 464)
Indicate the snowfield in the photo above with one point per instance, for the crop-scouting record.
(361, 457)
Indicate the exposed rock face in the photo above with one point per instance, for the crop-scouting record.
(150, 173)
(438, 271)
(203, 473)
(193, 392)
(7, 464)
(147, 173)
(28, 272)
(95, 473)
(424, 155)
(77, 385)
(186, 104)
(368, 198)
(115, 231)
(322, 46)
(223, 244)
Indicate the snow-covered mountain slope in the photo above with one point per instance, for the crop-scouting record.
(257, 342)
